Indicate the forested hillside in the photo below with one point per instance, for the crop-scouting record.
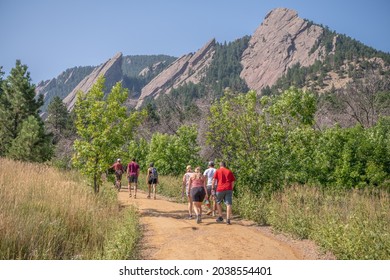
(136, 72)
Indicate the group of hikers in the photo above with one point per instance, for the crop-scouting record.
(212, 187)
(133, 174)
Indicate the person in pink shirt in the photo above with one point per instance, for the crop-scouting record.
(198, 191)
(224, 191)
(132, 176)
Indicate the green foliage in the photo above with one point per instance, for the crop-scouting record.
(352, 157)
(171, 153)
(138, 149)
(31, 143)
(22, 134)
(58, 119)
(254, 133)
(271, 142)
(226, 67)
(103, 127)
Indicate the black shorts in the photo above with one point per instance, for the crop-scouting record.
(118, 175)
(132, 179)
(198, 194)
(152, 181)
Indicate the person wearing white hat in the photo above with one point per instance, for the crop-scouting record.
(209, 174)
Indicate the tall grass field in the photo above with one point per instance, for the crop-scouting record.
(46, 214)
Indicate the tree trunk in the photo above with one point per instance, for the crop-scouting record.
(95, 185)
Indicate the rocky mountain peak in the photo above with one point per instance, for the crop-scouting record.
(188, 68)
(111, 70)
(282, 40)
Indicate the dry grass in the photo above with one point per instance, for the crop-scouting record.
(47, 214)
(352, 225)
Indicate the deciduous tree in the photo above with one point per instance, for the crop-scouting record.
(104, 127)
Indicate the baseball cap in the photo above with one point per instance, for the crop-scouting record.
(118, 159)
(211, 163)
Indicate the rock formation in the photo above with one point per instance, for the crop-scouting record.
(188, 68)
(282, 40)
(111, 70)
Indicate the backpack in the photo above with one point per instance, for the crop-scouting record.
(153, 174)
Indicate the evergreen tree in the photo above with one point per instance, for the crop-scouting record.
(58, 118)
(18, 103)
(31, 144)
(1, 78)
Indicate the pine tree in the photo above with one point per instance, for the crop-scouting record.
(31, 143)
(1, 78)
(18, 106)
(57, 119)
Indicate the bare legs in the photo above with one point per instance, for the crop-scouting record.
(190, 206)
(198, 211)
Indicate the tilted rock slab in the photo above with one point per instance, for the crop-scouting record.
(188, 68)
(282, 40)
(111, 70)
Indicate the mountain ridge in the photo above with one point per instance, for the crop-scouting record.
(283, 41)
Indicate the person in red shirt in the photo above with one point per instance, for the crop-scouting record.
(132, 176)
(224, 190)
(118, 168)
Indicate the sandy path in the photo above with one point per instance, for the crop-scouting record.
(170, 236)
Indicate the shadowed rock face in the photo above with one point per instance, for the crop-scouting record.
(282, 40)
(188, 68)
(111, 70)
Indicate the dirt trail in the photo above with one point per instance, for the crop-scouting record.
(170, 236)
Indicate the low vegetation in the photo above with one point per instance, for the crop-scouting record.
(352, 224)
(47, 214)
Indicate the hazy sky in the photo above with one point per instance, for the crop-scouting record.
(50, 36)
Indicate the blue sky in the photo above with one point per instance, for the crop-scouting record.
(50, 36)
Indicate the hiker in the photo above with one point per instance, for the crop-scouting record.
(132, 176)
(152, 179)
(209, 174)
(119, 170)
(185, 185)
(224, 179)
(198, 192)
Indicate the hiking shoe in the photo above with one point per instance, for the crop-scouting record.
(189, 217)
(198, 219)
(219, 220)
(228, 222)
